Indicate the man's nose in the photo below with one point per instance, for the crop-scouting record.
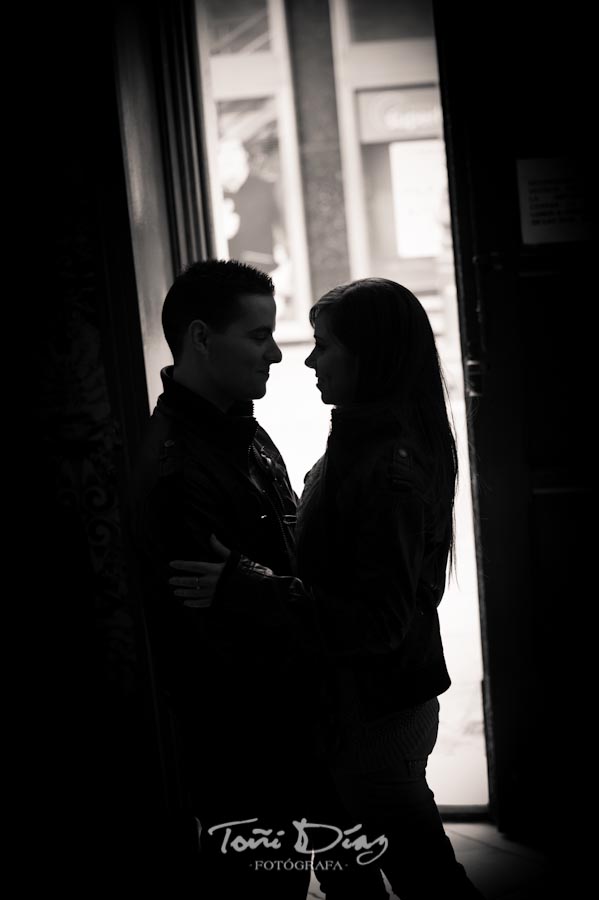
(309, 362)
(274, 354)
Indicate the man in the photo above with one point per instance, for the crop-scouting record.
(235, 669)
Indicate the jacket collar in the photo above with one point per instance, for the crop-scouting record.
(235, 428)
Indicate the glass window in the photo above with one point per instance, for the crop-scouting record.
(237, 26)
(418, 181)
(389, 20)
(253, 204)
(405, 189)
(252, 148)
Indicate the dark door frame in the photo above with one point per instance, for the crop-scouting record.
(527, 365)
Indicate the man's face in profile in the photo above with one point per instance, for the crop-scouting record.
(239, 358)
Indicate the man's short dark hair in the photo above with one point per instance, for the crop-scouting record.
(209, 290)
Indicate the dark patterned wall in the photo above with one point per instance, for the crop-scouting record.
(82, 438)
(97, 766)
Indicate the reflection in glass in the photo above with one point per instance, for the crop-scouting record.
(389, 20)
(405, 192)
(237, 26)
(418, 179)
(250, 177)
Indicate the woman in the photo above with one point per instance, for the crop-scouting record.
(373, 541)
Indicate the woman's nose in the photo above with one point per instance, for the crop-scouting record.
(309, 361)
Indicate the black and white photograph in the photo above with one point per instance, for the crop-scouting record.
(307, 508)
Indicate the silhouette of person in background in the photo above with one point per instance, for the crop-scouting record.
(252, 216)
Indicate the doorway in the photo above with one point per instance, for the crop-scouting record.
(325, 126)
(388, 134)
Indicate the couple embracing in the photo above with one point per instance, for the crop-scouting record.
(297, 641)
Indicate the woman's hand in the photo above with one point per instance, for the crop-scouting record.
(198, 589)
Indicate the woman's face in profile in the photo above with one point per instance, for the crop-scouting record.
(335, 367)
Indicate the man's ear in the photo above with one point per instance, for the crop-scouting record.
(199, 332)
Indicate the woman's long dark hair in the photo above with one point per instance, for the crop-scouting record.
(387, 329)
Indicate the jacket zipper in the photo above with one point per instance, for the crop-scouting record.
(288, 549)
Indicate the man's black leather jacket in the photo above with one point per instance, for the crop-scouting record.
(242, 662)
